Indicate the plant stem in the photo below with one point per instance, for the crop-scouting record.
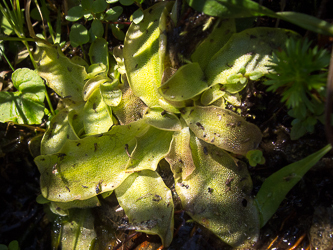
(10, 65)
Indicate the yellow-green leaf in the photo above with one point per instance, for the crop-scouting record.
(223, 128)
(218, 195)
(60, 73)
(143, 59)
(90, 166)
(148, 204)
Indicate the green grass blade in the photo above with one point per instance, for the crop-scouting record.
(275, 187)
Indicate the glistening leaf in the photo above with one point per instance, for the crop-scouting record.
(247, 51)
(78, 232)
(149, 150)
(87, 167)
(275, 188)
(223, 128)
(62, 75)
(148, 204)
(218, 195)
(143, 60)
(26, 105)
(186, 83)
(220, 35)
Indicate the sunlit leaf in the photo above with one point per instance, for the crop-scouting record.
(180, 155)
(78, 232)
(78, 34)
(62, 75)
(97, 115)
(275, 188)
(186, 83)
(149, 150)
(143, 62)
(92, 85)
(74, 13)
(90, 166)
(249, 50)
(62, 127)
(138, 16)
(223, 128)
(26, 105)
(161, 119)
(221, 33)
(212, 94)
(218, 195)
(110, 92)
(148, 204)
(112, 14)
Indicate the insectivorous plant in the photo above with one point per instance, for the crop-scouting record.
(83, 162)
(299, 74)
(121, 117)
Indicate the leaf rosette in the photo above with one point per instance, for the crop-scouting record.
(117, 124)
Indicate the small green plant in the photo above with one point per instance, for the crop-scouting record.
(99, 12)
(117, 121)
(255, 157)
(299, 74)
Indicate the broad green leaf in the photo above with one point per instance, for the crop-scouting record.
(218, 195)
(117, 32)
(143, 60)
(92, 85)
(89, 166)
(74, 14)
(221, 33)
(223, 128)
(78, 232)
(110, 92)
(98, 52)
(97, 115)
(62, 75)
(249, 50)
(275, 188)
(137, 16)
(112, 14)
(26, 105)
(99, 6)
(180, 155)
(161, 119)
(186, 83)
(149, 150)
(96, 69)
(61, 128)
(78, 34)
(148, 204)
(212, 94)
(97, 29)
